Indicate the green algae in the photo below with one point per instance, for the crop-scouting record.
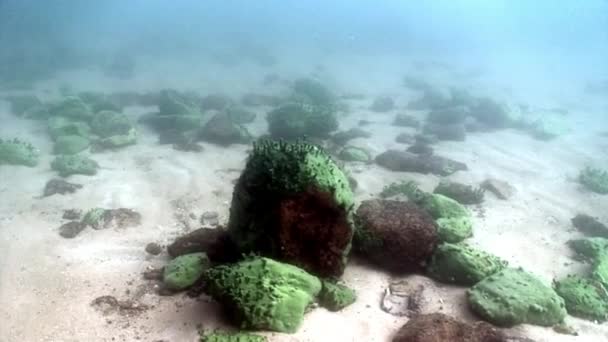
(440, 206)
(18, 152)
(514, 296)
(584, 297)
(231, 337)
(454, 229)
(67, 165)
(109, 123)
(260, 293)
(462, 264)
(296, 120)
(355, 154)
(185, 270)
(72, 107)
(60, 126)
(335, 297)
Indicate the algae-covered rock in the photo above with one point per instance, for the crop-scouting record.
(185, 270)
(335, 297)
(72, 107)
(595, 180)
(231, 337)
(117, 141)
(171, 102)
(440, 206)
(462, 264)
(59, 126)
(462, 193)
(355, 154)
(260, 293)
(293, 203)
(17, 152)
(109, 123)
(584, 297)
(94, 218)
(70, 144)
(68, 165)
(220, 129)
(99, 101)
(599, 268)
(297, 119)
(313, 91)
(514, 296)
(590, 247)
(454, 229)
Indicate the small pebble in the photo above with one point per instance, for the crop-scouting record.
(154, 248)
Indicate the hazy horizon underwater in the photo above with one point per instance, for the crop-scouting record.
(304, 171)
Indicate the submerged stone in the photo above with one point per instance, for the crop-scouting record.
(454, 229)
(354, 154)
(595, 180)
(67, 165)
(184, 271)
(438, 327)
(17, 152)
(585, 297)
(335, 297)
(70, 144)
(514, 296)
(462, 193)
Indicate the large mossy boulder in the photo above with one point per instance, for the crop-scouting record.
(70, 144)
(72, 107)
(263, 294)
(298, 119)
(585, 297)
(398, 236)
(463, 265)
(293, 203)
(67, 165)
(185, 270)
(454, 229)
(514, 296)
(17, 152)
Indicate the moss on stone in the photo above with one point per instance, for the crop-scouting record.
(408, 189)
(99, 101)
(70, 144)
(17, 152)
(94, 217)
(60, 126)
(591, 247)
(356, 154)
(292, 202)
(67, 165)
(454, 229)
(585, 297)
(462, 264)
(313, 91)
(599, 270)
(72, 107)
(514, 296)
(440, 206)
(463, 194)
(185, 270)
(109, 123)
(260, 293)
(595, 180)
(297, 119)
(231, 337)
(171, 102)
(117, 141)
(335, 297)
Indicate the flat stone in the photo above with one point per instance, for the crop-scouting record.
(71, 229)
(501, 189)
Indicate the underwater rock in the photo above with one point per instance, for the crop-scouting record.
(263, 294)
(590, 226)
(71, 229)
(446, 132)
(22, 103)
(514, 296)
(220, 129)
(99, 218)
(72, 107)
(70, 144)
(18, 152)
(430, 99)
(404, 188)
(397, 236)
(454, 229)
(295, 120)
(419, 148)
(231, 337)
(74, 165)
(595, 180)
(591, 247)
(335, 297)
(240, 115)
(153, 248)
(116, 141)
(215, 102)
(382, 104)
(214, 242)
(408, 162)
(185, 270)
(448, 116)
(463, 265)
(99, 102)
(343, 137)
(71, 214)
(405, 138)
(173, 103)
(60, 126)
(313, 91)
(440, 206)
(107, 123)
(491, 113)
(311, 204)
(405, 120)
(438, 327)
(547, 128)
(501, 189)
(585, 297)
(355, 154)
(210, 218)
(462, 193)
(188, 147)
(254, 100)
(403, 298)
(59, 186)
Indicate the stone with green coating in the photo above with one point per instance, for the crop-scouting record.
(94, 217)
(260, 293)
(591, 247)
(595, 180)
(70, 144)
(585, 297)
(68, 165)
(232, 337)
(185, 270)
(355, 154)
(117, 141)
(462, 264)
(335, 297)
(72, 107)
(60, 126)
(17, 152)
(297, 120)
(514, 296)
(440, 206)
(109, 123)
(293, 203)
(599, 270)
(454, 229)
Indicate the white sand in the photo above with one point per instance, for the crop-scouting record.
(47, 283)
